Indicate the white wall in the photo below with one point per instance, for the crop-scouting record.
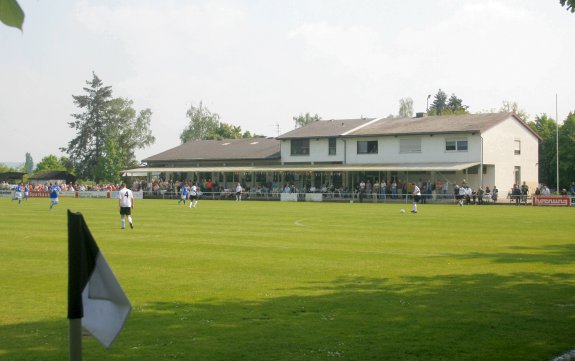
(318, 152)
(498, 153)
(499, 149)
(432, 150)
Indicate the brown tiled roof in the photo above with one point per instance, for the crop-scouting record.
(436, 124)
(227, 149)
(326, 128)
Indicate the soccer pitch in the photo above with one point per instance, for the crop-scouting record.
(299, 281)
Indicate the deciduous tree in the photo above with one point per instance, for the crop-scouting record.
(202, 123)
(509, 106)
(305, 119)
(405, 108)
(49, 163)
(547, 130)
(207, 125)
(567, 151)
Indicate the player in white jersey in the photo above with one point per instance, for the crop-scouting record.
(416, 198)
(194, 194)
(126, 202)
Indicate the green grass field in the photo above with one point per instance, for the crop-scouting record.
(299, 281)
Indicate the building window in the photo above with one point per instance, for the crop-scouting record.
(456, 145)
(410, 145)
(367, 147)
(332, 146)
(517, 147)
(300, 147)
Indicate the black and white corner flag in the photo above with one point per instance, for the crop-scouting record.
(94, 294)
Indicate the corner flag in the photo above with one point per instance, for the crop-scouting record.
(94, 294)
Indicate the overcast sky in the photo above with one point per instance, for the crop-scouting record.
(259, 63)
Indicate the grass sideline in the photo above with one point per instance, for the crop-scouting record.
(299, 281)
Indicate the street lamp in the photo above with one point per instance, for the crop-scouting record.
(427, 106)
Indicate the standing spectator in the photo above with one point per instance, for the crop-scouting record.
(494, 194)
(516, 194)
(462, 194)
(238, 192)
(480, 193)
(126, 203)
(487, 194)
(524, 193)
(393, 189)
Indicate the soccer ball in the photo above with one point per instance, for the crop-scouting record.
(402, 210)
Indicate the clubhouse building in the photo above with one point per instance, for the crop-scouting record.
(497, 149)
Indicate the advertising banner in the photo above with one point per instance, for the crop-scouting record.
(552, 201)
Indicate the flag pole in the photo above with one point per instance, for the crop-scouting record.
(75, 334)
(557, 142)
(75, 309)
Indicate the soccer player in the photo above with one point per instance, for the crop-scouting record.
(194, 196)
(126, 202)
(416, 198)
(54, 190)
(27, 191)
(18, 193)
(184, 194)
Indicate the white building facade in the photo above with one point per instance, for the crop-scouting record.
(437, 152)
(430, 149)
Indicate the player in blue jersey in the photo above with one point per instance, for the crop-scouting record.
(184, 193)
(27, 191)
(18, 192)
(54, 191)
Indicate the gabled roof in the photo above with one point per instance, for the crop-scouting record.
(464, 123)
(326, 128)
(227, 149)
